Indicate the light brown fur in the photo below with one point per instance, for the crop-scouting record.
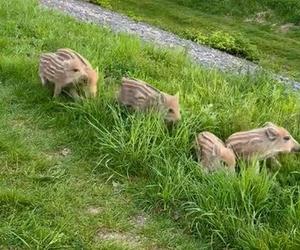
(141, 96)
(262, 143)
(67, 68)
(211, 152)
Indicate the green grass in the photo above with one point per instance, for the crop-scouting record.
(286, 11)
(124, 163)
(46, 198)
(224, 25)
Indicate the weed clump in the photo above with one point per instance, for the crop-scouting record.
(234, 44)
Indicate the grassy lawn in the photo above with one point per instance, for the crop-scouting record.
(51, 194)
(251, 29)
(86, 175)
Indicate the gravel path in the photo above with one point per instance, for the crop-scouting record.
(205, 56)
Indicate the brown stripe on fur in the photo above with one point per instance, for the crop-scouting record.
(74, 53)
(211, 152)
(137, 94)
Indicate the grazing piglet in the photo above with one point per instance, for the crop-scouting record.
(141, 96)
(67, 68)
(262, 143)
(212, 153)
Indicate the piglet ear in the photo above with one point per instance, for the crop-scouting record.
(66, 63)
(269, 124)
(272, 133)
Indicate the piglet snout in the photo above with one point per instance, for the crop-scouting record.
(296, 148)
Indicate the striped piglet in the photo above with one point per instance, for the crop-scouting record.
(212, 154)
(141, 96)
(262, 143)
(67, 68)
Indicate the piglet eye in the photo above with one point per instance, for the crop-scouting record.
(286, 138)
(171, 111)
(75, 70)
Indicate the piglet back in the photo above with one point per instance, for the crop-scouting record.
(211, 152)
(51, 67)
(71, 54)
(138, 94)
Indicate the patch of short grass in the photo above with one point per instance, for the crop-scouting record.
(123, 164)
(286, 11)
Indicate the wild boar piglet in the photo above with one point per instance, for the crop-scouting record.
(141, 96)
(212, 153)
(262, 143)
(67, 68)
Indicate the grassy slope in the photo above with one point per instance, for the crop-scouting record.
(287, 11)
(45, 198)
(278, 51)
